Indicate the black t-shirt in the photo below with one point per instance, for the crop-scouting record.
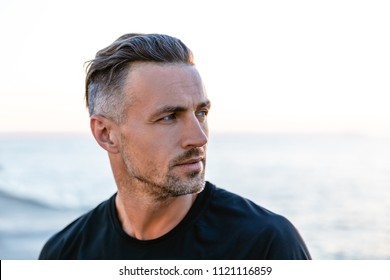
(219, 225)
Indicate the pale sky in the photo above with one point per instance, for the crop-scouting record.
(268, 66)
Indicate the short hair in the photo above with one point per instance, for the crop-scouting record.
(107, 73)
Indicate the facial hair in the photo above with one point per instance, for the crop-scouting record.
(169, 184)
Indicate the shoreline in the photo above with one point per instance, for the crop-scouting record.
(25, 227)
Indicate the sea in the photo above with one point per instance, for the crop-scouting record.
(335, 188)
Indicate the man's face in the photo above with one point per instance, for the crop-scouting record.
(164, 138)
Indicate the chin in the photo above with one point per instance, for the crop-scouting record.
(185, 188)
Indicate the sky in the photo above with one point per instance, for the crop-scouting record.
(268, 66)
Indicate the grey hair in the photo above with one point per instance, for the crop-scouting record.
(107, 73)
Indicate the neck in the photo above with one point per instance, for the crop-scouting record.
(145, 218)
(143, 214)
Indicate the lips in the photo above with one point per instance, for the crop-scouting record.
(194, 165)
(190, 161)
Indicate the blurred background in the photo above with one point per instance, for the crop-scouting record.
(300, 121)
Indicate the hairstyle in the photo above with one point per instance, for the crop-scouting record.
(107, 73)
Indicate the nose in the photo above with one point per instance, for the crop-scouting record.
(194, 134)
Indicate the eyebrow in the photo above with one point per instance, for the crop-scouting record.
(177, 109)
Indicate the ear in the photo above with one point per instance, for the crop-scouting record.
(105, 133)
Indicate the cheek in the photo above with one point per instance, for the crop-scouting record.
(147, 146)
(150, 152)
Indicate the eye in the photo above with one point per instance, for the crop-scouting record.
(168, 118)
(201, 115)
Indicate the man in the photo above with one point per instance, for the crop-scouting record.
(148, 109)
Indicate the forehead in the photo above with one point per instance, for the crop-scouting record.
(152, 84)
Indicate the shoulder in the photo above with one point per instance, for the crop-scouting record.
(230, 204)
(63, 244)
(273, 234)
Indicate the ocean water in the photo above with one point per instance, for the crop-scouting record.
(333, 188)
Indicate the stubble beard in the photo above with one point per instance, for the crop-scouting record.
(168, 185)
